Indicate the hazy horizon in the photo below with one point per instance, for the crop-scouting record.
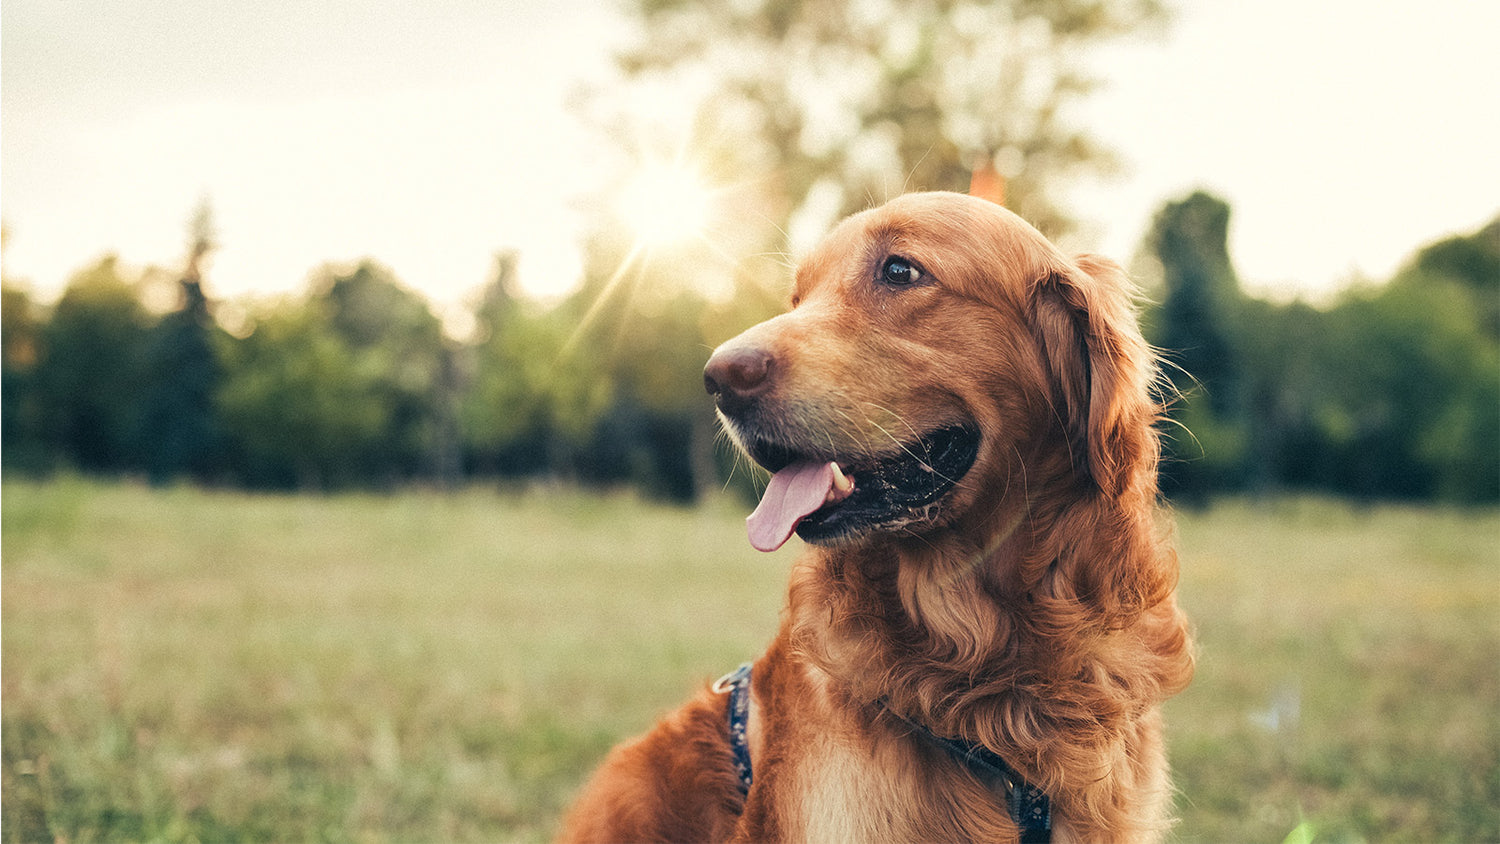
(430, 138)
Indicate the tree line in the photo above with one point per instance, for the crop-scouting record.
(353, 383)
(1390, 391)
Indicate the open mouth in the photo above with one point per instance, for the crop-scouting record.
(811, 494)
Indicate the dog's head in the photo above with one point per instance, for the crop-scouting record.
(943, 355)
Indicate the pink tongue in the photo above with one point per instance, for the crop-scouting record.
(792, 494)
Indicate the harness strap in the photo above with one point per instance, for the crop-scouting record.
(1029, 806)
(737, 684)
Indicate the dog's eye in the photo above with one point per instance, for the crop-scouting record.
(899, 272)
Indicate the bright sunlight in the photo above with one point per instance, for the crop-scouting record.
(666, 204)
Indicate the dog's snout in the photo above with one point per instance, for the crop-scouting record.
(738, 374)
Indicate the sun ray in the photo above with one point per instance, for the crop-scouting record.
(606, 293)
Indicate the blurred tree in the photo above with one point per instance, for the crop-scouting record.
(647, 328)
(181, 373)
(299, 407)
(857, 101)
(1399, 358)
(1418, 373)
(353, 384)
(393, 332)
(529, 407)
(369, 308)
(22, 446)
(89, 369)
(1472, 261)
(1393, 392)
(1285, 351)
(1196, 320)
(656, 372)
(1196, 327)
(1462, 437)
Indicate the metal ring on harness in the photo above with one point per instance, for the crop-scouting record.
(737, 685)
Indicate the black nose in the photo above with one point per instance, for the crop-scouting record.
(736, 375)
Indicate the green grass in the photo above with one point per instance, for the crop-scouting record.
(185, 665)
(1349, 674)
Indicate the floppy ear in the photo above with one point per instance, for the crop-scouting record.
(1101, 369)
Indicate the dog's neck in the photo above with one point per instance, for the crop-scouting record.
(961, 634)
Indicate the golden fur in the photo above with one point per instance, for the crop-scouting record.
(1030, 610)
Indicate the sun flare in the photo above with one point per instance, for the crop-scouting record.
(666, 204)
(669, 208)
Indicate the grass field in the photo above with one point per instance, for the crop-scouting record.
(184, 665)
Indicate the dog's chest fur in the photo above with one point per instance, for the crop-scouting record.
(847, 798)
(857, 780)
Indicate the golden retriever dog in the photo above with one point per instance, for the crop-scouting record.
(959, 422)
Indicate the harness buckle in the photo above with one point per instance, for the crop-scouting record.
(726, 684)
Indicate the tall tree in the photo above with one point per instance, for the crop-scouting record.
(1471, 260)
(299, 407)
(89, 369)
(1195, 325)
(344, 386)
(1420, 381)
(21, 445)
(531, 402)
(393, 331)
(20, 421)
(181, 373)
(856, 101)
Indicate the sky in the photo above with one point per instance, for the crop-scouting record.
(431, 136)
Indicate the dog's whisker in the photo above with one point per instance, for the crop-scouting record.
(1186, 430)
(894, 415)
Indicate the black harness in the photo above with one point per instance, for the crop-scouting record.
(1028, 805)
(737, 684)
